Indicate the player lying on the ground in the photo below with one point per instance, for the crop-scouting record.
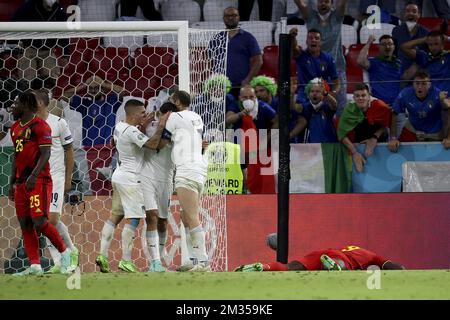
(348, 258)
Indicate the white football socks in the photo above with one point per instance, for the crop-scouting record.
(198, 244)
(162, 242)
(152, 245)
(106, 237)
(64, 233)
(127, 241)
(54, 253)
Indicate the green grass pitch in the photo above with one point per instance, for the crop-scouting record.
(410, 284)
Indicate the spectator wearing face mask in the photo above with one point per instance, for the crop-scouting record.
(407, 31)
(252, 117)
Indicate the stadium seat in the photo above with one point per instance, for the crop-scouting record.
(350, 21)
(261, 30)
(213, 9)
(153, 60)
(349, 36)
(111, 63)
(353, 70)
(98, 10)
(431, 23)
(67, 3)
(143, 87)
(385, 28)
(8, 60)
(270, 63)
(177, 10)
(85, 46)
(301, 35)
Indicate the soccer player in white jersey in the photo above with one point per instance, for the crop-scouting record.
(6, 121)
(186, 129)
(128, 198)
(157, 177)
(61, 167)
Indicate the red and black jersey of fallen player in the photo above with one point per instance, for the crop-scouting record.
(27, 138)
(360, 258)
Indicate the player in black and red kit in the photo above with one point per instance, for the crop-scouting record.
(348, 258)
(31, 183)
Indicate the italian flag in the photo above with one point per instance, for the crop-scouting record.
(320, 168)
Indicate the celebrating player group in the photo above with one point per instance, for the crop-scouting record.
(150, 147)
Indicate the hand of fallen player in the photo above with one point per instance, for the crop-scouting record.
(31, 183)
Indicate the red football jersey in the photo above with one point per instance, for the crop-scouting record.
(361, 258)
(26, 139)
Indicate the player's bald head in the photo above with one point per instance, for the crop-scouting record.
(133, 106)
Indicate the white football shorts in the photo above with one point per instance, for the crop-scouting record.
(157, 196)
(195, 186)
(128, 200)
(57, 201)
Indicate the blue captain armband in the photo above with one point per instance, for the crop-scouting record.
(166, 134)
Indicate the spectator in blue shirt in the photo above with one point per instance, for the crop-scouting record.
(266, 90)
(98, 109)
(436, 60)
(313, 63)
(423, 103)
(318, 113)
(244, 58)
(407, 31)
(328, 21)
(385, 70)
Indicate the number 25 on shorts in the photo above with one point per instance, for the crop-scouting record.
(34, 201)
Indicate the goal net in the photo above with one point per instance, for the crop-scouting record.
(90, 72)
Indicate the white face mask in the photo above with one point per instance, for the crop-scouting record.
(410, 24)
(49, 3)
(248, 104)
